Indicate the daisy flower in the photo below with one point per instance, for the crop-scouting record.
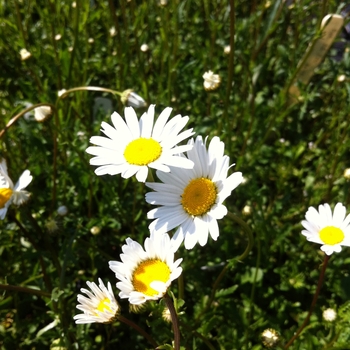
(146, 274)
(133, 145)
(332, 231)
(100, 305)
(192, 199)
(211, 81)
(9, 193)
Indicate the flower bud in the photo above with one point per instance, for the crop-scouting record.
(132, 99)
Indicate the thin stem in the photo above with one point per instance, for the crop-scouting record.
(90, 88)
(230, 66)
(138, 329)
(314, 300)
(22, 113)
(174, 320)
(25, 290)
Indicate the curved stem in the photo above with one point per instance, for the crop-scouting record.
(138, 329)
(89, 88)
(314, 300)
(23, 112)
(174, 320)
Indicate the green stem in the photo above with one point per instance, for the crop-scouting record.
(25, 290)
(138, 329)
(174, 319)
(314, 300)
(230, 67)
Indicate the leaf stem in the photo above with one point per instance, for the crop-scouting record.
(174, 320)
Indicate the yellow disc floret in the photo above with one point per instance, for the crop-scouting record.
(104, 305)
(331, 235)
(142, 151)
(147, 272)
(199, 196)
(5, 195)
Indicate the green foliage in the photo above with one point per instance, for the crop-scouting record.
(291, 156)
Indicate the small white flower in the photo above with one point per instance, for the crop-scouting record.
(74, 4)
(191, 199)
(247, 210)
(329, 315)
(332, 231)
(91, 40)
(25, 54)
(42, 113)
(227, 49)
(112, 31)
(62, 210)
(133, 145)
(341, 78)
(347, 173)
(144, 48)
(12, 194)
(58, 37)
(100, 305)
(95, 230)
(146, 274)
(211, 81)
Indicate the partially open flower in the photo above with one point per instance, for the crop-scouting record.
(211, 81)
(42, 113)
(8, 192)
(270, 337)
(144, 48)
(100, 305)
(132, 99)
(25, 54)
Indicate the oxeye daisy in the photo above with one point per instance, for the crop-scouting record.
(191, 199)
(146, 274)
(330, 230)
(133, 145)
(99, 305)
(8, 192)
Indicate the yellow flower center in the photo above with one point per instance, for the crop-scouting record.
(199, 196)
(5, 195)
(332, 235)
(147, 272)
(104, 305)
(142, 151)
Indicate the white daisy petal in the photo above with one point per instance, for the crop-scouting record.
(134, 272)
(330, 230)
(140, 144)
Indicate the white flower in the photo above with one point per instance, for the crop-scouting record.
(58, 37)
(144, 48)
(100, 306)
(332, 231)
(211, 81)
(62, 210)
(132, 146)
(227, 49)
(61, 92)
(146, 274)
(347, 173)
(132, 99)
(25, 54)
(112, 31)
(9, 193)
(41, 113)
(329, 315)
(192, 199)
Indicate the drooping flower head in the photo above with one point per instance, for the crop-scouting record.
(330, 230)
(99, 306)
(12, 194)
(133, 145)
(146, 274)
(191, 199)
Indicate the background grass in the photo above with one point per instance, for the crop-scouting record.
(291, 157)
